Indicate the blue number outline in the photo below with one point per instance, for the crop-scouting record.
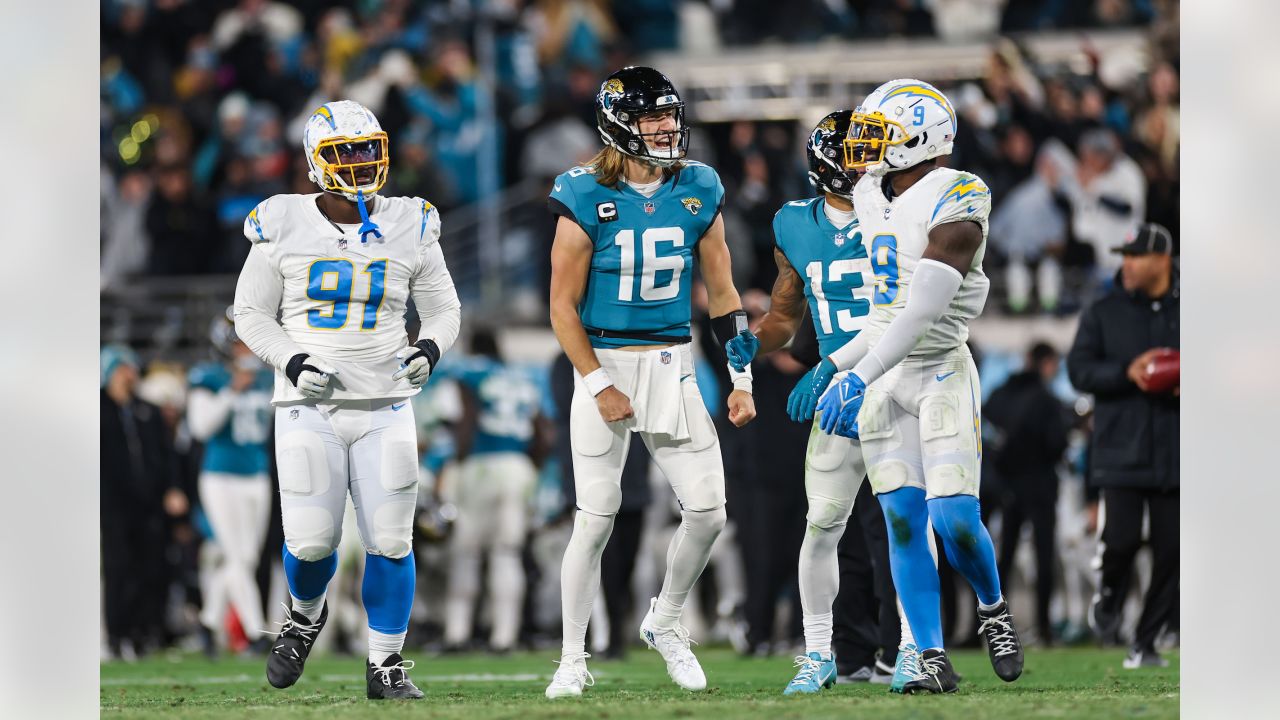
(887, 271)
(333, 317)
(377, 272)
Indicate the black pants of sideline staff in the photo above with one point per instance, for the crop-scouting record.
(1122, 512)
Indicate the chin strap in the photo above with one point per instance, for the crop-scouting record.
(366, 225)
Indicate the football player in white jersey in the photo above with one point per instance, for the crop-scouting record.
(322, 299)
(912, 395)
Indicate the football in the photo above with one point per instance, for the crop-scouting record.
(1163, 371)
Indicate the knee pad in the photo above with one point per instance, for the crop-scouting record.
(707, 523)
(392, 530)
(888, 475)
(601, 496)
(592, 529)
(828, 513)
(310, 533)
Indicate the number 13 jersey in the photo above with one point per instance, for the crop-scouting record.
(642, 249)
(896, 233)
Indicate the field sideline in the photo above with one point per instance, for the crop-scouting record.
(1057, 684)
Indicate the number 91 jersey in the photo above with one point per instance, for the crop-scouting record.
(896, 233)
(344, 300)
(642, 259)
(834, 266)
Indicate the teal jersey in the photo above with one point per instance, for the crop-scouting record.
(510, 400)
(240, 446)
(834, 265)
(642, 261)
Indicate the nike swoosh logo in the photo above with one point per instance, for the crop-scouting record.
(940, 378)
(397, 406)
(557, 187)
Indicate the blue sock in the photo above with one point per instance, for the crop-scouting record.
(958, 520)
(915, 577)
(388, 592)
(307, 579)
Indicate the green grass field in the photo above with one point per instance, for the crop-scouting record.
(1071, 683)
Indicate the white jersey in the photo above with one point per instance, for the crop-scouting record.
(330, 295)
(896, 233)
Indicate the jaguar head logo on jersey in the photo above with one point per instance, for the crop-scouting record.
(346, 150)
(825, 154)
(899, 125)
(637, 95)
(692, 204)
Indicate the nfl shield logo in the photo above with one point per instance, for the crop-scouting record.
(886, 213)
(293, 414)
(342, 243)
(839, 239)
(665, 357)
(649, 208)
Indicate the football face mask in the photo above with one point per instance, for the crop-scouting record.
(870, 136)
(348, 165)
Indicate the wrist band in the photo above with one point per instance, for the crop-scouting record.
(597, 380)
(741, 380)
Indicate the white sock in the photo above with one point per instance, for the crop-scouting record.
(580, 578)
(817, 634)
(309, 608)
(687, 557)
(907, 637)
(989, 608)
(384, 645)
(819, 579)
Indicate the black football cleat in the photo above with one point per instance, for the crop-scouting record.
(936, 675)
(289, 652)
(391, 681)
(1003, 645)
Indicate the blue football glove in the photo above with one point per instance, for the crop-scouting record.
(741, 349)
(804, 398)
(845, 397)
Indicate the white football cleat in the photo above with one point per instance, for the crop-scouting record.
(571, 677)
(673, 646)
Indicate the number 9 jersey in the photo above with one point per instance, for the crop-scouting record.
(341, 299)
(642, 259)
(896, 233)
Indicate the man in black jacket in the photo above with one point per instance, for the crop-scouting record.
(139, 487)
(1032, 436)
(1134, 451)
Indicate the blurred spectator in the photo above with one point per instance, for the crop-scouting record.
(1032, 437)
(1029, 229)
(138, 493)
(182, 226)
(1134, 450)
(1107, 193)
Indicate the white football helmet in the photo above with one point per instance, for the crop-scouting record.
(899, 125)
(346, 149)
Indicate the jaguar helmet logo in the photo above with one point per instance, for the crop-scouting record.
(613, 86)
(828, 125)
(692, 204)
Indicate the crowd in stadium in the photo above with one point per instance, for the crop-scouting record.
(198, 127)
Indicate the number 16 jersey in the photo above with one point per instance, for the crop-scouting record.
(896, 233)
(642, 249)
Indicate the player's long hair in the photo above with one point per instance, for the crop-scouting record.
(610, 165)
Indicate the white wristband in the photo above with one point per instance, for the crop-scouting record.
(597, 380)
(741, 380)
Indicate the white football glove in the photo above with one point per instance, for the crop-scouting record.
(309, 374)
(416, 362)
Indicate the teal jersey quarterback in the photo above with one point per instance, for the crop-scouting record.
(834, 265)
(240, 446)
(642, 261)
(509, 399)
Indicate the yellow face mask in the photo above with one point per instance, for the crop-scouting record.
(866, 143)
(351, 164)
